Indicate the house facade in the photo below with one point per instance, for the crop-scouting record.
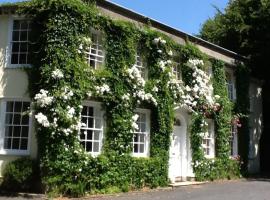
(17, 130)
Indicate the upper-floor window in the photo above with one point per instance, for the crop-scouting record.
(141, 136)
(176, 70)
(230, 86)
(140, 64)
(95, 52)
(208, 140)
(91, 132)
(19, 44)
(16, 126)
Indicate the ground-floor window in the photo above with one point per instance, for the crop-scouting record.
(15, 131)
(141, 136)
(208, 142)
(91, 132)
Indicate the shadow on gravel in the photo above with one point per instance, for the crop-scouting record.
(259, 177)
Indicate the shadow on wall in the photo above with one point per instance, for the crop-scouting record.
(256, 128)
(265, 139)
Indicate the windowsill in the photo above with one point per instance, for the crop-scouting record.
(18, 66)
(209, 156)
(140, 155)
(14, 152)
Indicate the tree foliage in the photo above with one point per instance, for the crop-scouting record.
(244, 28)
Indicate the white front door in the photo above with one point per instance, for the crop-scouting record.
(178, 151)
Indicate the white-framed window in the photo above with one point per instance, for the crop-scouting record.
(176, 70)
(95, 52)
(141, 137)
(234, 141)
(91, 133)
(140, 64)
(208, 143)
(18, 50)
(230, 86)
(16, 127)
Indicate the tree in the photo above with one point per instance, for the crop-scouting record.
(244, 27)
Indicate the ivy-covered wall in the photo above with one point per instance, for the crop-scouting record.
(60, 81)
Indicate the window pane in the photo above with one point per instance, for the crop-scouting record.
(141, 148)
(96, 147)
(24, 24)
(89, 146)
(84, 110)
(7, 143)
(15, 47)
(25, 119)
(18, 107)
(26, 106)
(23, 58)
(90, 123)
(9, 118)
(16, 24)
(82, 135)
(24, 47)
(15, 143)
(89, 135)
(9, 107)
(8, 131)
(16, 36)
(96, 135)
(25, 130)
(98, 123)
(23, 144)
(23, 36)
(16, 131)
(14, 58)
(136, 148)
(17, 119)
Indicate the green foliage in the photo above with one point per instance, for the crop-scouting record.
(224, 117)
(243, 28)
(20, 175)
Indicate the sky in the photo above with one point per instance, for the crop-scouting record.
(185, 15)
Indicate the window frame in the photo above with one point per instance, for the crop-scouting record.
(8, 64)
(211, 132)
(96, 105)
(89, 48)
(146, 153)
(3, 103)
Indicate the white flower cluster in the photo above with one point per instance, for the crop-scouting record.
(145, 96)
(159, 40)
(57, 74)
(135, 74)
(134, 124)
(102, 89)
(126, 97)
(43, 99)
(195, 62)
(162, 64)
(67, 93)
(176, 88)
(70, 112)
(42, 119)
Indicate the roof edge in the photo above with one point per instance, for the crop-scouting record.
(157, 24)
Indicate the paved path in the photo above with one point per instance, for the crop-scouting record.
(258, 189)
(229, 190)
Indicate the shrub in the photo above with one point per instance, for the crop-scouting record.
(19, 175)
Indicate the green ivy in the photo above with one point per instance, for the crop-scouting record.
(59, 28)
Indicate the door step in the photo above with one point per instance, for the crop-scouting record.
(186, 183)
